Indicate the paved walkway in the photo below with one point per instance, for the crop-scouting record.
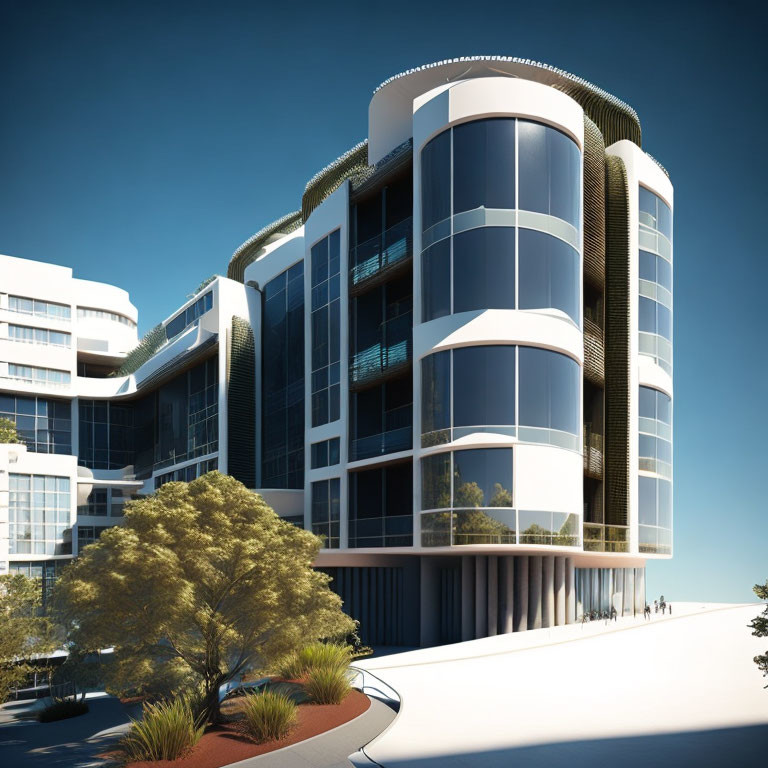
(329, 749)
(71, 743)
(679, 690)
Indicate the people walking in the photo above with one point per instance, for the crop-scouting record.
(670, 609)
(614, 613)
(655, 606)
(647, 612)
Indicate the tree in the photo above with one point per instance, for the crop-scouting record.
(202, 583)
(759, 627)
(8, 433)
(24, 632)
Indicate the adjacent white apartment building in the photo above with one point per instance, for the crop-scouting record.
(454, 363)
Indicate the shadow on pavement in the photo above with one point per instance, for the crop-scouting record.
(732, 747)
(74, 742)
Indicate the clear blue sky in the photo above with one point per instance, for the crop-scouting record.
(142, 142)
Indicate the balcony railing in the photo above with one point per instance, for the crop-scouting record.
(375, 258)
(605, 538)
(385, 358)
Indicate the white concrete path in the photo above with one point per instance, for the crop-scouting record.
(633, 692)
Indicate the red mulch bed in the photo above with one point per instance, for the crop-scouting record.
(223, 744)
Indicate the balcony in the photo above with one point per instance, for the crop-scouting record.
(390, 356)
(380, 258)
(605, 538)
(397, 436)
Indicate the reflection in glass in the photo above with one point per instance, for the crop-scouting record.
(436, 180)
(484, 386)
(548, 274)
(549, 173)
(484, 269)
(484, 164)
(549, 390)
(436, 280)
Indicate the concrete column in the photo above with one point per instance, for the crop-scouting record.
(467, 597)
(493, 595)
(559, 591)
(534, 592)
(548, 591)
(640, 597)
(508, 587)
(481, 602)
(521, 594)
(430, 602)
(570, 591)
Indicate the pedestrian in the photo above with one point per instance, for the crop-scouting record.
(670, 609)
(614, 613)
(655, 606)
(663, 608)
(647, 612)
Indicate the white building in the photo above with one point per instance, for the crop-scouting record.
(454, 362)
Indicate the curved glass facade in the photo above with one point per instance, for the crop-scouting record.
(655, 278)
(467, 498)
(527, 392)
(501, 216)
(655, 456)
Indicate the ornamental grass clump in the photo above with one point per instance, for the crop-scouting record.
(268, 716)
(327, 685)
(315, 656)
(166, 731)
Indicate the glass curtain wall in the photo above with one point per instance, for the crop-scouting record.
(655, 283)
(43, 425)
(467, 498)
(505, 389)
(39, 515)
(380, 502)
(655, 456)
(283, 380)
(480, 251)
(326, 508)
(326, 339)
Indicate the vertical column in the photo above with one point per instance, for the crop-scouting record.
(559, 591)
(481, 603)
(508, 585)
(493, 595)
(570, 591)
(548, 592)
(521, 594)
(534, 592)
(640, 598)
(430, 602)
(467, 598)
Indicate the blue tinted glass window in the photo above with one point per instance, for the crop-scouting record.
(484, 386)
(484, 164)
(436, 180)
(482, 477)
(549, 173)
(548, 274)
(436, 280)
(549, 390)
(484, 269)
(436, 392)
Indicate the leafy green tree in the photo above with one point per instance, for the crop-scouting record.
(759, 627)
(501, 496)
(203, 582)
(24, 631)
(468, 495)
(8, 433)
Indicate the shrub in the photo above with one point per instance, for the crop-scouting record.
(268, 716)
(166, 732)
(315, 656)
(61, 709)
(327, 685)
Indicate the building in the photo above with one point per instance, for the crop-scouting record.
(454, 363)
